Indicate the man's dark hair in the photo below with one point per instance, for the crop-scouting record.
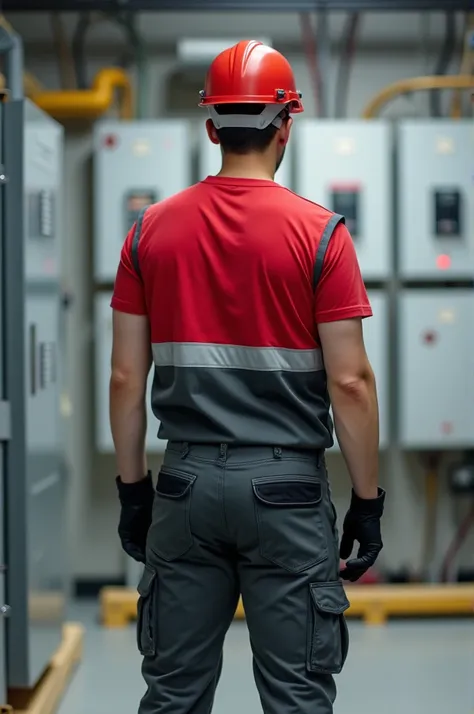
(243, 140)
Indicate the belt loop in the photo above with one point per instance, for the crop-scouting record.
(185, 449)
(277, 452)
(222, 452)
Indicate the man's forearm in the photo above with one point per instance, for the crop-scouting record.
(356, 422)
(128, 424)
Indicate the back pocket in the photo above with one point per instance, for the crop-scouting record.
(170, 535)
(290, 521)
(328, 635)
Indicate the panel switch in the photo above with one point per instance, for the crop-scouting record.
(447, 213)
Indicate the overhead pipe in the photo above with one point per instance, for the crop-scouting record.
(65, 60)
(311, 55)
(90, 103)
(467, 64)
(415, 84)
(323, 48)
(442, 65)
(129, 25)
(345, 65)
(78, 50)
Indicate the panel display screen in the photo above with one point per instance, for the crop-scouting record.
(447, 213)
(346, 201)
(134, 202)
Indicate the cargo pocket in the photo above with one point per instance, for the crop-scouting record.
(146, 614)
(328, 635)
(290, 521)
(170, 535)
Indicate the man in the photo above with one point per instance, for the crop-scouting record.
(236, 288)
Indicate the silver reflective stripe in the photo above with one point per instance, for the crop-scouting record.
(268, 359)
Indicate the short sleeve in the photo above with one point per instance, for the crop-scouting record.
(340, 292)
(129, 295)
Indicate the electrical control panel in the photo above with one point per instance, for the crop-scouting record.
(436, 200)
(436, 376)
(103, 350)
(376, 338)
(346, 167)
(135, 163)
(43, 165)
(210, 160)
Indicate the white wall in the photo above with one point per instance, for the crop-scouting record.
(93, 509)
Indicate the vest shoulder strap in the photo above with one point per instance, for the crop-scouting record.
(331, 226)
(136, 240)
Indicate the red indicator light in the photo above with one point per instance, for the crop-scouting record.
(110, 141)
(429, 338)
(443, 262)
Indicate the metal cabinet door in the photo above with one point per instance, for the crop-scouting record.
(4, 435)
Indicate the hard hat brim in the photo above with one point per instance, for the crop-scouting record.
(294, 104)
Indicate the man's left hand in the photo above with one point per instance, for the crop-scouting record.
(136, 514)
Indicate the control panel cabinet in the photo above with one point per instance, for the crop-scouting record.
(346, 167)
(436, 200)
(135, 164)
(436, 375)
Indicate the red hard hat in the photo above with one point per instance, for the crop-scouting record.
(251, 73)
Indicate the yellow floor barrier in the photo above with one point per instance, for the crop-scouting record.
(373, 603)
(45, 697)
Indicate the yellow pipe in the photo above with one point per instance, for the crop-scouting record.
(467, 66)
(90, 103)
(417, 84)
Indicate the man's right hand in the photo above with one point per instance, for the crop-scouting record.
(362, 524)
(135, 516)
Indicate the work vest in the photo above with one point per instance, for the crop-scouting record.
(213, 393)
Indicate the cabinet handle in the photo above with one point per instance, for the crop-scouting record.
(33, 385)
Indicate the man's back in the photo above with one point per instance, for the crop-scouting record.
(228, 271)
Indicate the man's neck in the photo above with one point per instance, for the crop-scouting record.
(251, 166)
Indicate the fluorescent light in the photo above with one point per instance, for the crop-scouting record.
(190, 50)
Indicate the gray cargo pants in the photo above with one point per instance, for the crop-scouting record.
(252, 520)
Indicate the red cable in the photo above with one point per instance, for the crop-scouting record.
(457, 543)
(311, 55)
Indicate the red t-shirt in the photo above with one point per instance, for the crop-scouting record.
(230, 262)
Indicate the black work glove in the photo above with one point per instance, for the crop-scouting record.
(135, 516)
(362, 524)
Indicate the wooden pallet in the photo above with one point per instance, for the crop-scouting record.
(45, 697)
(374, 603)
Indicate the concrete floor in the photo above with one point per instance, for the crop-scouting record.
(411, 667)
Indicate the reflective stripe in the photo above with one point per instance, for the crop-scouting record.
(136, 239)
(331, 226)
(271, 359)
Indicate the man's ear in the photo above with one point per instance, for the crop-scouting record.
(285, 131)
(211, 132)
